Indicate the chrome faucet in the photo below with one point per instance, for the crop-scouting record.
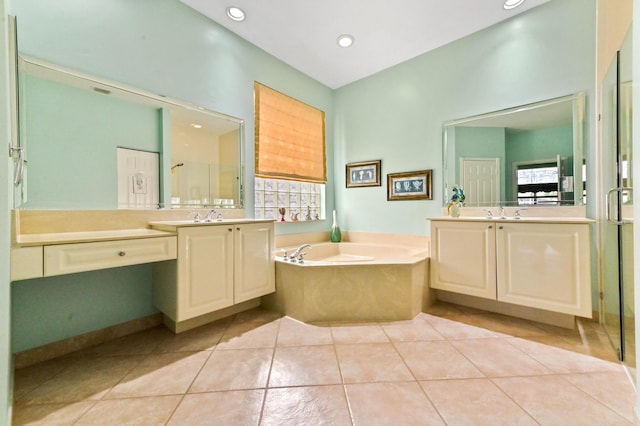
(502, 216)
(489, 213)
(209, 216)
(516, 215)
(298, 251)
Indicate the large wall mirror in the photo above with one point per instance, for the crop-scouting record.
(530, 155)
(94, 144)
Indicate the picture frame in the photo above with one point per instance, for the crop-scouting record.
(364, 173)
(409, 185)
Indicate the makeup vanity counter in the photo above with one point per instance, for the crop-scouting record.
(542, 262)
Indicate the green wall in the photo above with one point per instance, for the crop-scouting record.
(396, 115)
(6, 370)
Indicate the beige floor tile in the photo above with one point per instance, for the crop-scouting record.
(551, 400)
(371, 362)
(203, 338)
(154, 410)
(474, 402)
(234, 370)
(436, 360)
(497, 358)
(257, 315)
(306, 406)
(28, 378)
(161, 374)
(365, 333)
(221, 408)
(250, 335)
(305, 366)
(451, 329)
(391, 404)
(296, 333)
(411, 331)
(612, 389)
(562, 360)
(85, 378)
(49, 414)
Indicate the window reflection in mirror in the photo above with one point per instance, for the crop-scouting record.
(75, 127)
(528, 155)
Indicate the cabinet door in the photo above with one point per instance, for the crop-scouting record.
(545, 266)
(255, 263)
(205, 270)
(463, 257)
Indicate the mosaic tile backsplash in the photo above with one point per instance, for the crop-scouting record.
(287, 200)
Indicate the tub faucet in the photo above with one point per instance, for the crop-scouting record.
(296, 253)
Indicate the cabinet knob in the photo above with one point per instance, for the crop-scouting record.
(121, 253)
(230, 229)
(490, 227)
(500, 227)
(238, 228)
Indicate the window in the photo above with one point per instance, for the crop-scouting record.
(290, 157)
(538, 184)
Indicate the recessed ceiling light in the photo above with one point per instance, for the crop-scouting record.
(196, 126)
(512, 4)
(235, 13)
(345, 40)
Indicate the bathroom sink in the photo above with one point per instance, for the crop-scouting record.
(190, 222)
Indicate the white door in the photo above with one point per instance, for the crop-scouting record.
(138, 179)
(480, 179)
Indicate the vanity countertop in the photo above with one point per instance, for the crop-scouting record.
(25, 240)
(173, 225)
(523, 219)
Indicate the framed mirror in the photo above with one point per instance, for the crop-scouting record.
(94, 144)
(526, 155)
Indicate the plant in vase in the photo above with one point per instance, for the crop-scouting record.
(457, 201)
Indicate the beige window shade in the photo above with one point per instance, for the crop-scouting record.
(289, 138)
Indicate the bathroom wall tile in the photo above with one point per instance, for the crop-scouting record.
(311, 405)
(383, 364)
(227, 408)
(148, 410)
(304, 366)
(496, 358)
(445, 362)
(161, 374)
(552, 400)
(475, 402)
(391, 404)
(234, 370)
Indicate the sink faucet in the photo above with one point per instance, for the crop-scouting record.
(296, 253)
(209, 216)
(516, 215)
(489, 213)
(502, 216)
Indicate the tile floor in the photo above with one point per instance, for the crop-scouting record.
(454, 366)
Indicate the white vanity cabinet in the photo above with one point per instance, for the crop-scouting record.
(218, 266)
(538, 264)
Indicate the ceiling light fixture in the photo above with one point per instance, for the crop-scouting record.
(196, 126)
(345, 40)
(512, 4)
(235, 13)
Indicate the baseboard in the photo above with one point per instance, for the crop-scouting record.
(83, 341)
(179, 327)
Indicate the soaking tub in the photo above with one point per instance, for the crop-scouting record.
(343, 282)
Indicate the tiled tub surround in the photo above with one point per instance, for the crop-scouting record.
(453, 365)
(352, 281)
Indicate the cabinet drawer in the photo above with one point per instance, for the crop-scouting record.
(70, 258)
(26, 262)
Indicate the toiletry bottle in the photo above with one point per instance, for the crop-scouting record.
(336, 235)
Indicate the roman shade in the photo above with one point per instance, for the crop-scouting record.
(290, 138)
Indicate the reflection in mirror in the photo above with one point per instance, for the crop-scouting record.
(94, 144)
(528, 155)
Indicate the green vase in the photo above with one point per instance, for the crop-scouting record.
(335, 234)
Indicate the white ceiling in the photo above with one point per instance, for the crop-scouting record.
(303, 33)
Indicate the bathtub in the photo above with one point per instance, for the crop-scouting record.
(352, 282)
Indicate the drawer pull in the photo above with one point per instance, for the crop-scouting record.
(121, 253)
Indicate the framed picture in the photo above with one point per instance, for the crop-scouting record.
(409, 185)
(365, 173)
